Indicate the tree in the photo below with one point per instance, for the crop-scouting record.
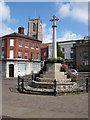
(59, 52)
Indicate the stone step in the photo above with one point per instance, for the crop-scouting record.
(45, 79)
(42, 90)
(49, 72)
(47, 75)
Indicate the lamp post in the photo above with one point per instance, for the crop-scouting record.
(54, 36)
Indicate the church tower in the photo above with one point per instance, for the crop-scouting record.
(35, 28)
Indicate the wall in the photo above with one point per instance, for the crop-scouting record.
(21, 68)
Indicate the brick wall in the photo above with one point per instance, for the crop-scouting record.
(79, 49)
(16, 48)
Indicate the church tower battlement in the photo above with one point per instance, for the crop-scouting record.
(35, 28)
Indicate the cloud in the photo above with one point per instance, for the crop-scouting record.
(66, 36)
(4, 11)
(47, 33)
(5, 17)
(69, 35)
(75, 10)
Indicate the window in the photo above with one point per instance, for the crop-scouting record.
(11, 42)
(3, 43)
(63, 49)
(2, 54)
(19, 54)
(11, 54)
(26, 44)
(34, 27)
(34, 36)
(71, 55)
(20, 43)
(35, 66)
(37, 47)
(21, 68)
(26, 55)
(32, 45)
(32, 55)
(85, 58)
(71, 49)
(37, 56)
(44, 55)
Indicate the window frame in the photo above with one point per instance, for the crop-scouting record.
(25, 55)
(19, 42)
(25, 44)
(38, 46)
(18, 54)
(63, 49)
(36, 56)
(11, 43)
(31, 55)
(2, 43)
(10, 54)
(2, 54)
(31, 45)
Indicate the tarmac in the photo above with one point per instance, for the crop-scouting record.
(17, 105)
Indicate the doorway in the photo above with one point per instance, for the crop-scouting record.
(11, 70)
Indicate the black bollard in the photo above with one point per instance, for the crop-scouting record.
(22, 85)
(55, 87)
(87, 85)
(32, 75)
(18, 83)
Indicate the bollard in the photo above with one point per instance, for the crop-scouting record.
(87, 85)
(55, 87)
(22, 85)
(18, 83)
(32, 75)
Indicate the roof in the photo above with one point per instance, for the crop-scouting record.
(18, 35)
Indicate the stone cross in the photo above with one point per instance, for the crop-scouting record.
(54, 36)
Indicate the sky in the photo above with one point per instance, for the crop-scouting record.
(72, 24)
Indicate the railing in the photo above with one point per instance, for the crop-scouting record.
(21, 85)
(87, 85)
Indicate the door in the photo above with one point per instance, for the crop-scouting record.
(11, 70)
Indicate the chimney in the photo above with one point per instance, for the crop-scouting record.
(21, 30)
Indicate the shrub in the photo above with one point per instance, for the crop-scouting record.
(64, 68)
(54, 60)
(74, 78)
(68, 75)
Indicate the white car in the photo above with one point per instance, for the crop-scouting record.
(74, 72)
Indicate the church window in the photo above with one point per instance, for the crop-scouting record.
(34, 27)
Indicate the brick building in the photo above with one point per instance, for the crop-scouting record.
(20, 54)
(81, 50)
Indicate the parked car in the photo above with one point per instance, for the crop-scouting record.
(74, 72)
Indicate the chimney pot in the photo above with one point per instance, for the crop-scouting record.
(21, 30)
